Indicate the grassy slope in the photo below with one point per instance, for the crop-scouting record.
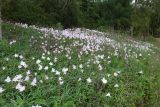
(135, 90)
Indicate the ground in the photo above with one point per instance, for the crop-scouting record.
(76, 68)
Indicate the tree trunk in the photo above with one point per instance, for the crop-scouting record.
(0, 25)
(131, 30)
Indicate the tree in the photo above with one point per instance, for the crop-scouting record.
(117, 13)
(0, 25)
(155, 19)
(141, 17)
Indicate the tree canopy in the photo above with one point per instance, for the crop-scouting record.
(142, 15)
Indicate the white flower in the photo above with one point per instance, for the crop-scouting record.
(43, 57)
(48, 59)
(64, 70)
(89, 80)
(61, 82)
(19, 66)
(108, 75)
(40, 67)
(33, 58)
(51, 63)
(116, 85)
(115, 74)
(100, 67)
(1, 89)
(60, 78)
(104, 81)
(12, 42)
(53, 70)
(57, 73)
(141, 72)
(108, 95)
(28, 72)
(21, 57)
(35, 73)
(20, 87)
(55, 59)
(41, 81)
(37, 106)
(38, 61)
(26, 78)
(118, 72)
(74, 66)
(48, 53)
(46, 77)
(17, 78)
(16, 55)
(23, 64)
(3, 68)
(79, 79)
(8, 79)
(46, 68)
(34, 82)
(7, 59)
(140, 54)
(80, 66)
(109, 62)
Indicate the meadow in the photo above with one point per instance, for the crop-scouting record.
(46, 67)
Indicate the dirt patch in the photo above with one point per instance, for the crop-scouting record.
(158, 40)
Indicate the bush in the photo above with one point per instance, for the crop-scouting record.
(59, 26)
(4, 47)
(102, 28)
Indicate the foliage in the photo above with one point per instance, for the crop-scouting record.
(142, 15)
(136, 87)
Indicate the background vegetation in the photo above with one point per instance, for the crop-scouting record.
(140, 17)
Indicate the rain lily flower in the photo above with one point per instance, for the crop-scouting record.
(28, 72)
(3, 68)
(141, 72)
(89, 80)
(108, 95)
(1, 89)
(64, 70)
(16, 55)
(20, 87)
(60, 80)
(74, 66)
(40, 67)
(57, 73)
(79, 79)
(21, 57)
(7, 59)
(46, 68)
(26, 78)
(17, 78)
(51, 63)
(38, 61)
(46, 77)
(23, 64)
(36, 106)
(115, 74)
(104, 81)
(48, 59)
(81, 66)
(8, 79)
(53, 70)
(34, 82)
(116, 85)
(43, 57)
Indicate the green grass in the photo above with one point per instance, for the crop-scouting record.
(135, 89)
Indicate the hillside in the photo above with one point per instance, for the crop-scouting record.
(76, 68)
